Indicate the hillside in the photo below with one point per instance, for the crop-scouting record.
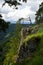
(10, 49)
(31, 51)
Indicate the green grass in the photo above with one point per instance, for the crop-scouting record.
(39, 33)
(10, 49)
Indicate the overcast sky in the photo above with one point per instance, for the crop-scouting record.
(25, 10)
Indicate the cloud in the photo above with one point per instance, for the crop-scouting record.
(20, 13)
(26, 10)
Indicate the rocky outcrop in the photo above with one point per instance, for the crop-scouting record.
(28, 48)
(29, 30)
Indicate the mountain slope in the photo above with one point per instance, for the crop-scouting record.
(10, 50)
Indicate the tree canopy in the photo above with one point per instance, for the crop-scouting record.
(3, 24)
(13, 2)
(39, 14)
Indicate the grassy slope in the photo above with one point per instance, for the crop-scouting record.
(10, 50)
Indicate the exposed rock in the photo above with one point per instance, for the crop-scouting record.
(29, 30)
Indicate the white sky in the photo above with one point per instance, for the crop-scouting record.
(26, 10)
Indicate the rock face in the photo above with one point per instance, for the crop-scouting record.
(29, 30)
(27, 49)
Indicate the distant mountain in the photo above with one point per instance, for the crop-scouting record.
(8, 34)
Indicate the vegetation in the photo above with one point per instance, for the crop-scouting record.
(10, 50)
(39, 14)
(3, 24)
(13, 2)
